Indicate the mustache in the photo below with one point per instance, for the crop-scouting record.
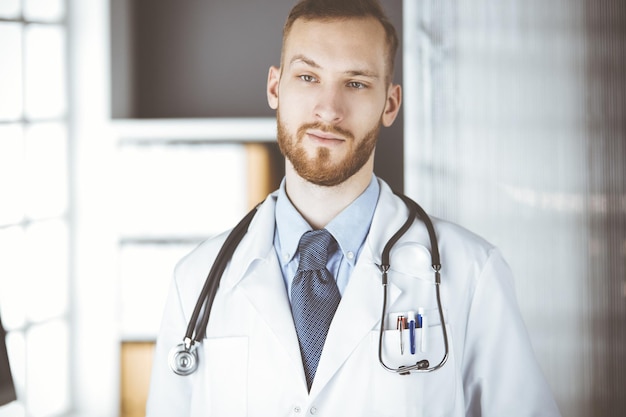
(336, 130)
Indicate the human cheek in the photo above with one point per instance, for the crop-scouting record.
(363, 114)
(295, 112)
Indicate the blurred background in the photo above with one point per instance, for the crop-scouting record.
(130, 130)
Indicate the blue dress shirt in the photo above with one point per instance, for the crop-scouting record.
(349, 228)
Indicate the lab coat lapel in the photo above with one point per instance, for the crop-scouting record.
(255, 271)
(265, 289)
(361, 305)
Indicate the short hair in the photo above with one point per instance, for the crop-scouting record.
(344, 9)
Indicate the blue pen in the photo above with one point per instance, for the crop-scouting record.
(411, 318)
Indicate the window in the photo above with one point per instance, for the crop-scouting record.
(34, 223)
(167, 207)
(175, 200)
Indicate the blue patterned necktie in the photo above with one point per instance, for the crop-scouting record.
(314, 298)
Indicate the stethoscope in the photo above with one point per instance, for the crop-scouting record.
(183, 358)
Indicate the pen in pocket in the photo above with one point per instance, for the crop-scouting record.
(401, 325)
(411, 319)
(423, 319)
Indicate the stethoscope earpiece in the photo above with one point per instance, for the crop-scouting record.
(183, 360)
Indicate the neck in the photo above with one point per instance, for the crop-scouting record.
(319, 204)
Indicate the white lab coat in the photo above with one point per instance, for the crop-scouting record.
(250, 363)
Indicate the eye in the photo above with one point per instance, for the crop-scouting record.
(357, 85)
(307, 78)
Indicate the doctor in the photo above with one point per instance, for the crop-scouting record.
(332, 93)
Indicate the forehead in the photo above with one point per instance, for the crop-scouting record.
(337, 42)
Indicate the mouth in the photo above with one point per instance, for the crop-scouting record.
(324, 137)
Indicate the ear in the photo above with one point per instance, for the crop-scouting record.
(273, 79)
(392, 105)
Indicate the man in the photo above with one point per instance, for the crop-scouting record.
(268, 349)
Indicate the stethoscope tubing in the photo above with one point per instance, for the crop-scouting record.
(209, 290)
(414, 211)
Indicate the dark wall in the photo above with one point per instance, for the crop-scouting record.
(199, 58)
(205, 58)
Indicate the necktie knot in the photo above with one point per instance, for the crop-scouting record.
(313, 249)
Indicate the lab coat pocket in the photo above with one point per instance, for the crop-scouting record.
(394, 395)
(418, 393)
(222, 391)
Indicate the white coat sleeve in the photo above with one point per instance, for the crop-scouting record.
(170, 394)
(501, 374)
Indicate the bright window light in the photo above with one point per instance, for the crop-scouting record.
(46, 272)
(10, 70)
(34, 190)
(45, 90)
(11, 174)
(14, 409)
(178, 191)
(146, 266)
(46, 170)
(9, 9)
(13, 283)
(44, 10)
(47, 373)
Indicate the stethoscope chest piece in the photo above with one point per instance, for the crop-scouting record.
(183, 360)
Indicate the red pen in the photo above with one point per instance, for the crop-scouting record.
(401, 325)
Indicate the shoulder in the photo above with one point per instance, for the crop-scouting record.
(458, 238)
(204, 253)
(465, 251)
(191, 271)
(470, 261)
(450, 236)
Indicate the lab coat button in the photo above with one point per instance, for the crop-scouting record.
(296, 409)
(313, 410)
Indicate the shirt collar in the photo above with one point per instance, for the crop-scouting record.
(349, 228)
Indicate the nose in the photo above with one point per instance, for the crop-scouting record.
(330, 106)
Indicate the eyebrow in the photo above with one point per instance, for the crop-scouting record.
(302, 58)
(353, 73)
